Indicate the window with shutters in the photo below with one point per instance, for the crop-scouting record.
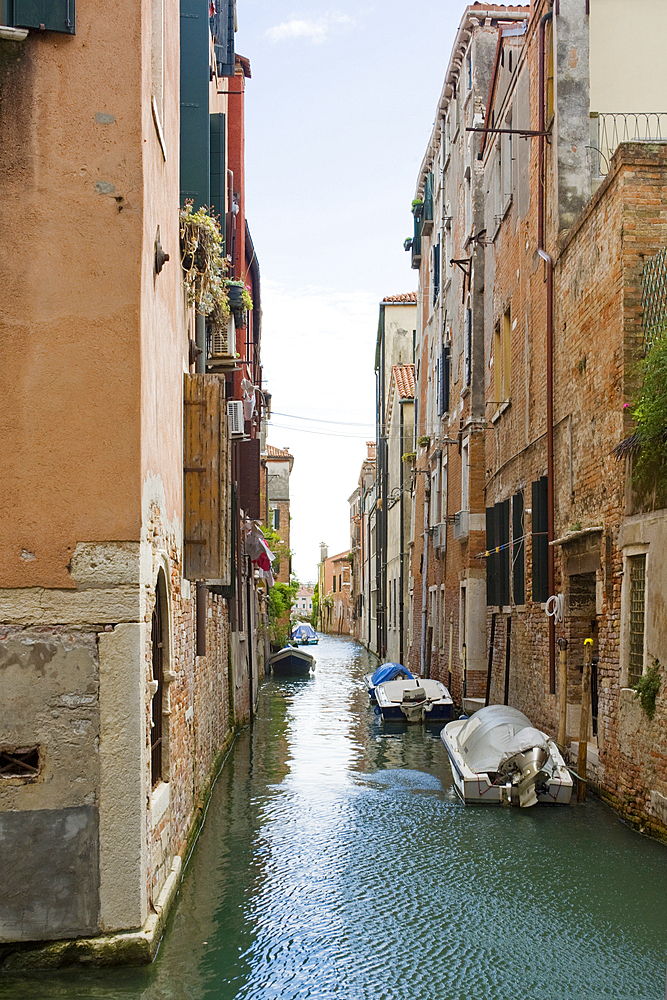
(467, 347)
(540, 541)
(249, 478)
(159, 704)
(207, 517)
(435, 254)
(45, 15)
(498, 558)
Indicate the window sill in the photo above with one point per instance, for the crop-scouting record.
(159, 802)
(503, 408)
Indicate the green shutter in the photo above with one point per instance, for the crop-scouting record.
(218, 169)
(47, 15)
(195, 124)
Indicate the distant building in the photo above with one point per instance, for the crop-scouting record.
(303, 605)
(276, 470)
(335, 574)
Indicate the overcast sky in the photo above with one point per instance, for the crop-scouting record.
(339, 111)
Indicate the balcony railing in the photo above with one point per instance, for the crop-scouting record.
(610, 129)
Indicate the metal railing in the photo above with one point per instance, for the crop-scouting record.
(610, 129)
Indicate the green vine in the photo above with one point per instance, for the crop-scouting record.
(649, 471)
(647, 688)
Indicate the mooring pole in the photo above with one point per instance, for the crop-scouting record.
(451, 645)
(488, 669)
(583, 722)
(562, 692)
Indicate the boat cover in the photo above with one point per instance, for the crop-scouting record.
(487, 736)
(525, 739)
(304, 631)
(389, 672)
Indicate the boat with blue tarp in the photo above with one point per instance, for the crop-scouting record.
(304, 634)
(386, 672)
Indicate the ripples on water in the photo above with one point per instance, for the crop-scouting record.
(337, 862)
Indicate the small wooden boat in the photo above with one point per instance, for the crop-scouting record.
(292, 661)
(304, 634)
(416, 699)
(386, 672)
(497, 755)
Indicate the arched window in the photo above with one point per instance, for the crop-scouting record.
(158, 704)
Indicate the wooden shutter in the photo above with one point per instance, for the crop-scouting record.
(491, 558)
(195, 125)
(218, 170)
(518, 549)
(249, 478)
(540, 541)
(503, 522)
(207, 496)
(467, 347)
(447, 360)
(49, 15)
(222, 29)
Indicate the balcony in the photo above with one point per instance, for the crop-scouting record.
(610, 129)
(461, 525)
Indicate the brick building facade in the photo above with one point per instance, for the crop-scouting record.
(526, 386)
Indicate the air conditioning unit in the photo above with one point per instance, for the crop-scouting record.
(235, 421)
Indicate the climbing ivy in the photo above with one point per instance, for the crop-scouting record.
(649, 471)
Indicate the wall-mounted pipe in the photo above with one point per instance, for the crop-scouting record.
(541, 219)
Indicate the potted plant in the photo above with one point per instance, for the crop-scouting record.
(240, 300)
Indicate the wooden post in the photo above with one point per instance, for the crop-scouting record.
(490, 665)
(451, 644)
(583, 723)
(562, 693)
(463, 669)
(429, 643)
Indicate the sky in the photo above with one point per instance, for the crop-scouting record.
(339, 112)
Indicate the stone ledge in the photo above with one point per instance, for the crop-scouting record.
(126, 948)
(42, 606)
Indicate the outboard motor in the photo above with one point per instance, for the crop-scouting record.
(524, 762)
(412, 705)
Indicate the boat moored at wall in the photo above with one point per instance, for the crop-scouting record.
(497, 755)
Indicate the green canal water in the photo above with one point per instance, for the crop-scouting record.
(337, 862)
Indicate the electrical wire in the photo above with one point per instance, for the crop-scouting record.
(320, 433)
(323, 420)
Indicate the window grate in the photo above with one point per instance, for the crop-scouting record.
(654, 298)
(637, 612)
(21, 763)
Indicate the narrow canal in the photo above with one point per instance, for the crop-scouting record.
(337, 862)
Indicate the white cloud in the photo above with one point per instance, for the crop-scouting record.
(313, 30)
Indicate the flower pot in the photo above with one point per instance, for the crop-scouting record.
(235, 296)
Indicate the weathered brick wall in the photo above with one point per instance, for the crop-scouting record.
(197, 721)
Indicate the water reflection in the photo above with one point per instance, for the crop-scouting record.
(337, 862)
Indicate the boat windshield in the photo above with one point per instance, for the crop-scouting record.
(487, 734)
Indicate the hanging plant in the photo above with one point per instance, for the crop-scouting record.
(647, 688)
(204, 264)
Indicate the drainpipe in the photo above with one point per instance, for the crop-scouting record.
(427, 500)
(541, 189)
(401, 614)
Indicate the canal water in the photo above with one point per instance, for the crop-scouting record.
(337, 862)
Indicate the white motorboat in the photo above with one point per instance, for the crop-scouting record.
(497, 755)
(414, 699)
